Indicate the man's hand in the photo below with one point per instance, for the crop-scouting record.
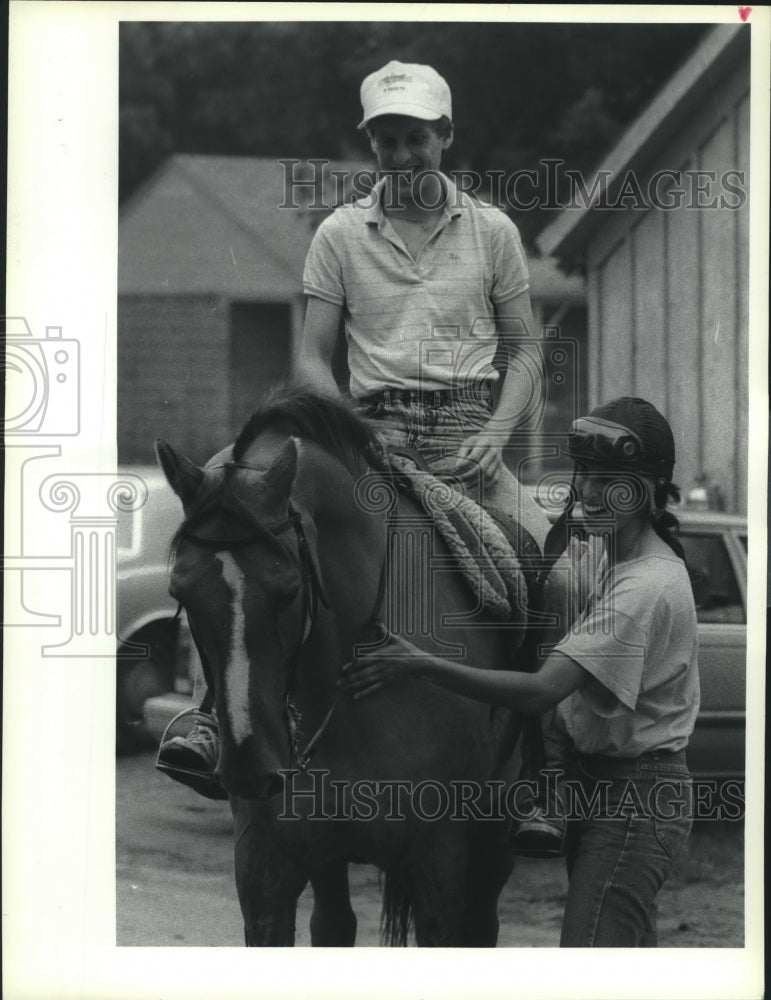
(485, 452)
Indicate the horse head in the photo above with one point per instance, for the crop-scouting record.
(244, 568)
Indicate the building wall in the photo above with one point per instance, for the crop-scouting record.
(172, 375)
(668, 297)
(260, 354)
(563, 395)
(192, 368)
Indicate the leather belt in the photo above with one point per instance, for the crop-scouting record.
(430, 397)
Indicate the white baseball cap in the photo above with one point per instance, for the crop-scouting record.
(405, 89)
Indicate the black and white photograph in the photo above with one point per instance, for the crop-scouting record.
(386, 476)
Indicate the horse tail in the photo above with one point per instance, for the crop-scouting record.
(396, 915)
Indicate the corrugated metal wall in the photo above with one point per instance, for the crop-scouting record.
(668, 296)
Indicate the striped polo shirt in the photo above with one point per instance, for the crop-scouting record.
(426, 322)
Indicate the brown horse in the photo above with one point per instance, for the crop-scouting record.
(292, 548)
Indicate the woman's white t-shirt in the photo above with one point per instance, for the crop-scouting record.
(637, 637)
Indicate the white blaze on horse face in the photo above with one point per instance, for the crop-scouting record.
(237, 667)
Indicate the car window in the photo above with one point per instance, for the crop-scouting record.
(715, 587)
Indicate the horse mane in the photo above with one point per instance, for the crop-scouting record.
(295, 410)
(327, 422)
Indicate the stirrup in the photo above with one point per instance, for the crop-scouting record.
(537, 843)
(204, 783)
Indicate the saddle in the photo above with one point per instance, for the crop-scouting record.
(497, 556)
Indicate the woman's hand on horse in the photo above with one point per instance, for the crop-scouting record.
(394, 660)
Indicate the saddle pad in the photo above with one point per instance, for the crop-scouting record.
(483, 552)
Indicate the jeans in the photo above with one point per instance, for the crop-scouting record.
(437, 433)
(619, 855)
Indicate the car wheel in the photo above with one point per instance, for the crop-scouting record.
(140, 679)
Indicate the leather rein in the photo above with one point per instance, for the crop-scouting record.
(313, 595)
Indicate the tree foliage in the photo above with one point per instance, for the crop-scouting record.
(521, 92)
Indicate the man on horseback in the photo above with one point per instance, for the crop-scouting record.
(432, 287)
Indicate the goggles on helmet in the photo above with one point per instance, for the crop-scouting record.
(593, 439)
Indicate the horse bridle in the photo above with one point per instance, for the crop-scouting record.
(313, 594)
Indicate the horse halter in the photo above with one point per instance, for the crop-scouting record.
(313, 591)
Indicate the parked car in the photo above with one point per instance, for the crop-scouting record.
(155, 655)
(156, 680)
(716, 554)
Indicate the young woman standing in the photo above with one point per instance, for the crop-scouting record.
(624, 679)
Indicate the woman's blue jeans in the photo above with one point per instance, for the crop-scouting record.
(620, 853)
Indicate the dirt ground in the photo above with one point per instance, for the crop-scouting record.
(702, 906)
(175, 884)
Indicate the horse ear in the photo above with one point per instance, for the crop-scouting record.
(182, 475)
(277, 481)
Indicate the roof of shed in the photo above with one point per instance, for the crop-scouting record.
(214, 224)
(667, 113)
